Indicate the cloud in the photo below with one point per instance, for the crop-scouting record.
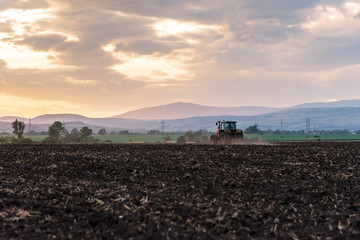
(42, 42)
(146, 47)
(2, 64)
(23, 4)
(5, 27)
(172, 49)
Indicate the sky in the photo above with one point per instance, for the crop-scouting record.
(101, 58)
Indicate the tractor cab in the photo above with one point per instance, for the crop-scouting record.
(227, 125)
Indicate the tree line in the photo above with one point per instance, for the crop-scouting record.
(55, 132)
(58, 134)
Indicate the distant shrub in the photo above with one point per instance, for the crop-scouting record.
(49, 140)
(167, 138)
(205, 139)
(7, 139)
(91, 139)
(181, 140)
(102, 131)
(69, 138)
(26, 141)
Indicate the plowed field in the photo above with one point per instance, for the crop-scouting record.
(139, 191)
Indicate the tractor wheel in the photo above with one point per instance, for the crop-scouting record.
(213, 139)
(225, 138)
(222, 138)
(239, 136)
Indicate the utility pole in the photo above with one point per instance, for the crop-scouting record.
(162, 127)
(307, 125)
(30, 127)
(281, 125)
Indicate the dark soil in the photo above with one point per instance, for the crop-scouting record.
(107, 191)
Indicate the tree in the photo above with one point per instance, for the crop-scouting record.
(124, 132)
(72, 138)
(18, 127)
(167, 138)
(64, 131)
(252, 129)
(153, 132)
(85, 132)
(102, 131)
(55, 130)
(75, 131)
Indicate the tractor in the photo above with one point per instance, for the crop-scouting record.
(226, 133)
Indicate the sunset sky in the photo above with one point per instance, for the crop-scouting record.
(100, 58)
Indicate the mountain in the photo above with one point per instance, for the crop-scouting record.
(11, 119)
(334, 104)
(186, 110)
(292, 119)
(323, 116)
(50, 118)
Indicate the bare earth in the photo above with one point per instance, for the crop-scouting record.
(144, 191)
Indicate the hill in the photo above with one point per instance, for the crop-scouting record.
(12, 118)
(334, 104)
(328, 116)
(293, 119)
(186, 110)
(50, 118)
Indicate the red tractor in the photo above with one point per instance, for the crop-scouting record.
(227, 133)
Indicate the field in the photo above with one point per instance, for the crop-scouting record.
(169, 191)
(304, 137)
(155, 138)
(147, 138)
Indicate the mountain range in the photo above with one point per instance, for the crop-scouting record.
(187, 110)
(344, 114)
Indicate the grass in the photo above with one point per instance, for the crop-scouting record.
(148, 138)
(303, 137)
(154, 138)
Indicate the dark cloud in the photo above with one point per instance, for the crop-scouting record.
(42, 42)
(31, 4)
(95, 29)
(81, 55)
(4, 4)
(322, 55)
(202, 11)
(281, 9)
